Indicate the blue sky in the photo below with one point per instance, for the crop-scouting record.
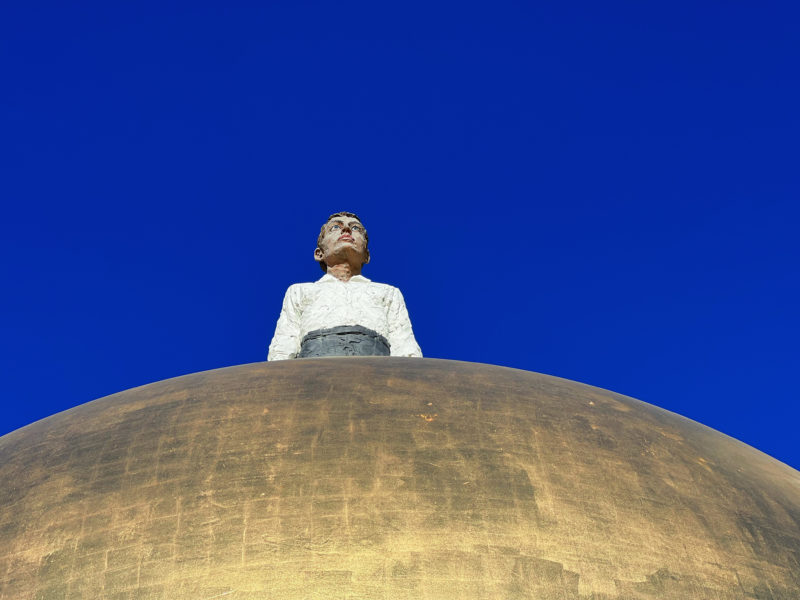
(602, 192)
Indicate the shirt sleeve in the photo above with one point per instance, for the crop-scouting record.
(286, 341)
(401, 336)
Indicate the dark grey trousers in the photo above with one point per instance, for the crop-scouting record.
(346, 340)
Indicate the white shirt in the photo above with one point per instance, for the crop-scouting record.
(329, 302)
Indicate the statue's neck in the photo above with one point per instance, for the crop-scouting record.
(343, 271)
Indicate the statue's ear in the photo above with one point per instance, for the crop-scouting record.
(366, 258)
(319, 255)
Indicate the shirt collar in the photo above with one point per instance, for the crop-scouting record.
(355, 278)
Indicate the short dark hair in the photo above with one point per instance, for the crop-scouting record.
(322, 264)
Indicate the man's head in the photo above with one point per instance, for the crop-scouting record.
(343, 236)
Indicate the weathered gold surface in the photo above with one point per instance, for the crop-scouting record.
(390, 478)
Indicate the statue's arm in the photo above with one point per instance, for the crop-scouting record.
(401, 336)
(286, 341)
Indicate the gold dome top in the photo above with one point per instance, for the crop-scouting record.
(390, 478)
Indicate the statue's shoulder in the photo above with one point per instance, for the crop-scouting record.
(384, 287)
(300, 289)
(386, 292)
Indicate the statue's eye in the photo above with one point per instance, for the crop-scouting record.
(334, 227)
(356, 228)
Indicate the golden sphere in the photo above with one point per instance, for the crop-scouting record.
(389, 478)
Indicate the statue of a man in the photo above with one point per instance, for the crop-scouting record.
(343, 313)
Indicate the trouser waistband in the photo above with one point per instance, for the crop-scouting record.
(345, 340)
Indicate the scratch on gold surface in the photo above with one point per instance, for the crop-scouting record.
(671, 435)
(428, 417)
(705, 463)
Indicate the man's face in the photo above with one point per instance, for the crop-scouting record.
(343, 237)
